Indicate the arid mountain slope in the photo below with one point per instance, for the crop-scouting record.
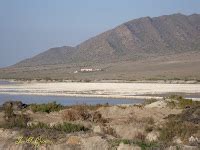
(134, 43)
(133, 40)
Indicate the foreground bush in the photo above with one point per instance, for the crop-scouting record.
(12, 120)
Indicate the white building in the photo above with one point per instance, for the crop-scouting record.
(86, 69)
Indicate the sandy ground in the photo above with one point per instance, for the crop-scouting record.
(114, 90)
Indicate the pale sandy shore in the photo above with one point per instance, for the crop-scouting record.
(112, 90)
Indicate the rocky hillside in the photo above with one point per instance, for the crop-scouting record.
(133, 40)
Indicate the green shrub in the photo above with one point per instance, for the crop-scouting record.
(185, 102)
(177, 101)
(69, 127)
(50, 107)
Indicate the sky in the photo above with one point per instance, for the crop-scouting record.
(29, 27)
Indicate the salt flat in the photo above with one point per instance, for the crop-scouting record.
(114, 90)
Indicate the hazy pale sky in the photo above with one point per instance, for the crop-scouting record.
(28, 27)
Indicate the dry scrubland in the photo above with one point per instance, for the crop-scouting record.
(170, 123)
(184, 66)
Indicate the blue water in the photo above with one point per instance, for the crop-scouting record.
(28, 99)
(4, 82)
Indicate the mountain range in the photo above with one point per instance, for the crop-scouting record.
(145, 48)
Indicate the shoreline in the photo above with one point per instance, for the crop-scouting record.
(161, 81)
(87, 96)
(136, 97)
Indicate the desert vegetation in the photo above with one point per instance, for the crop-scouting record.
(176, 101)
(147, 126)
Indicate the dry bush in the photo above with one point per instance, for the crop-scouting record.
(97, 118)
(81, 112)
(71, 115)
